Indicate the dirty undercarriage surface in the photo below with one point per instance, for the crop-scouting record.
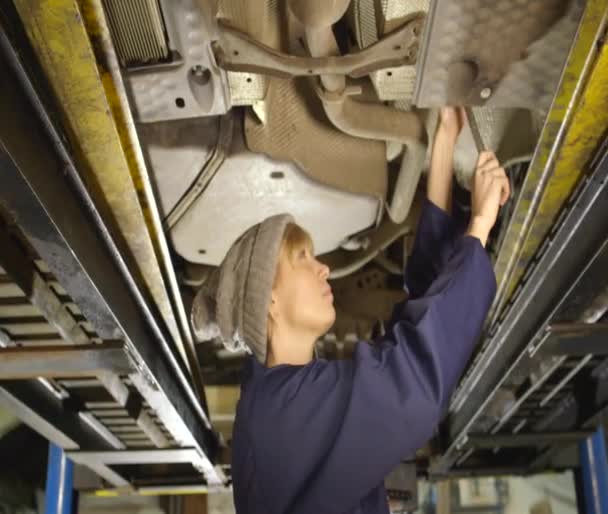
(328, 110)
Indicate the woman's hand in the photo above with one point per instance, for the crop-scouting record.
(451, 121)
(490, 190)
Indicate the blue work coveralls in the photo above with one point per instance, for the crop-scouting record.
(320, 438)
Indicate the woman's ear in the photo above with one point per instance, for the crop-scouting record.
(273, 309)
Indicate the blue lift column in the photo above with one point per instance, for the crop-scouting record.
(59, 474)
(594, 466)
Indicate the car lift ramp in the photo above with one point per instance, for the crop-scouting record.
(83, 359)
(538, 382)
(88, 360)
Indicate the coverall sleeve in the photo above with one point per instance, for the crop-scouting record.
(433, 245)
(399, 386)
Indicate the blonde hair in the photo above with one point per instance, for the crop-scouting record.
(294, 239)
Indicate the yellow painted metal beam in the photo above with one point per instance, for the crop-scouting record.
(109, 70)
(152, 491)
(576, 123)
(97, 130)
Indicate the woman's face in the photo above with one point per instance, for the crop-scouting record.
(302, 297)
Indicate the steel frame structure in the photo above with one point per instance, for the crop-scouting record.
(539, 383)
(130, 355)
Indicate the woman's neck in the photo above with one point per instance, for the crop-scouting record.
(290, 347)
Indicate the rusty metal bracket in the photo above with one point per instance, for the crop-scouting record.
(236, 51)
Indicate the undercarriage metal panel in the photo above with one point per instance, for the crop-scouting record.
(187, 84)
(297, 129)
(500, 54)
(177, 153)
(261, 186)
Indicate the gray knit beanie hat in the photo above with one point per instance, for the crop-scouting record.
(233, 303)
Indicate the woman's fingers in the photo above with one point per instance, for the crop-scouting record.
(485, 158)
(506, 190)
(489, 165)
(500, 180)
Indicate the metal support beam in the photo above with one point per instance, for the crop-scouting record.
(147, 425)
(594, 464)
(175, 490)
(22, 270)
(520, 440)
(237, 51)
(59, 475)
(576, 339)
(132, 402)
(46, 197)
(100, 462)
(65, 52)
(108, 474)
(110, 458)
(576, 248)
(38, 408)
(542, 461)
(485, 471)
(63, 361)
